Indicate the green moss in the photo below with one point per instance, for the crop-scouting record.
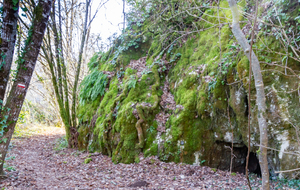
(38, 12)
(137, 160)
(220, 95)
(87, 160)
(129, 71)
(83, 137)
(202, 103)
(87, 111)
(153, 150)
(199, 89)
(155, 48)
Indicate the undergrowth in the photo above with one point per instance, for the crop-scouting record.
(92, 86)
(60, 144)
(290, 183)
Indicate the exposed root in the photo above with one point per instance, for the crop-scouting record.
(73, 140)
(145, 108)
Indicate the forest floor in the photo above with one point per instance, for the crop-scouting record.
(39, 159)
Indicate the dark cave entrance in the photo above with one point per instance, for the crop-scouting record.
(220, 158)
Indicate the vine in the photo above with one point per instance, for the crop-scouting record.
(3, 121)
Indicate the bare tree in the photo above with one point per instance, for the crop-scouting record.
(260, 93)
(83, 38)
(58, 57)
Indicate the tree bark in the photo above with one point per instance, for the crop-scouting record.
(59, 99)
(260, 93)
(124, 15)
(57, 38)
(61, 89)
(64, 70)
(26, 65)
(8, 41)
(74, 94)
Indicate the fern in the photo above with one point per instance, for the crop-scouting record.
(92, 86)
(94, 61)
(131, 82)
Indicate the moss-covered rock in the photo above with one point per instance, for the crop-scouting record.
(211, 101)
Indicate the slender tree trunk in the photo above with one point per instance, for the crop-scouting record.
(7, 44)
(74, 94)
(260, 93)
(27, 63)
(59, 80)
(57, 38)
(124, 15)
(64, 70)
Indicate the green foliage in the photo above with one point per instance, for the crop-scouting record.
(9, 168)
(93, 63)
(22, 117)
(61, 144)
(151, 129)
(197, 76)
(6, 166)
(291, 183)
(35, 113)
(15, 2)
(131, 82)
(3, 58)
(137, 160)
(92, 86)
(87, 160)
(3, 121)
(125, 42)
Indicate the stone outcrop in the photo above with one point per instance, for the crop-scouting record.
(177, 104)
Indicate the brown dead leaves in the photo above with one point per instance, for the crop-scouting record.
(39, 166)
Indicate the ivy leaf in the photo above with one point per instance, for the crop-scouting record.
(15, 2)
(24, 9)
(4, 140)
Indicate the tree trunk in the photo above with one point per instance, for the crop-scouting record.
(74, 94)
(57, 38)
(260, 93)
(60, 87)
(64, 70)
(26, 65)
(8, 41)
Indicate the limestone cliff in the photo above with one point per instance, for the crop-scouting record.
(180, 101)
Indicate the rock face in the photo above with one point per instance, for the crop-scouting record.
(187, 104)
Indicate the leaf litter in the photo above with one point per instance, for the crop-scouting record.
(40, 164)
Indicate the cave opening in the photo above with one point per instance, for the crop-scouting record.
(239, 164)
(221, 158)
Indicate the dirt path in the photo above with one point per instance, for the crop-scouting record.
(40, 164)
